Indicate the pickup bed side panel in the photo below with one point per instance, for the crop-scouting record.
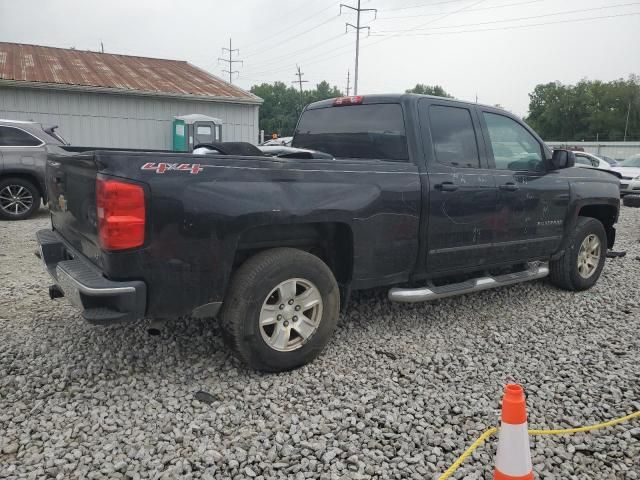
(197, 219)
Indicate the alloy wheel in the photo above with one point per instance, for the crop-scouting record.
(291, 314)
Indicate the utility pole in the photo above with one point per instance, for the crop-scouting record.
(348, 82)
(101, 47)
(357, 27)
(299, 74)
(626, 127)
(230, 61)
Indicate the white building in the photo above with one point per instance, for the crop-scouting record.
(107, 100)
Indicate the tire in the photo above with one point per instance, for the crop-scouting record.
(631, 201)
(261, 288)
(18, 188)
(565, 271)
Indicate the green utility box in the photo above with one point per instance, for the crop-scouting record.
(191, 130)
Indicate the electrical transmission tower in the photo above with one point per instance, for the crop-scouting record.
(299, 74)
(357, 28)
(230, 61)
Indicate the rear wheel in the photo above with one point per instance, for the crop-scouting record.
(19, 199)
(631, 201)
(281, 309)
(582, 262)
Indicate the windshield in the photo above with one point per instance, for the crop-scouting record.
(633, 161)
(373, 131)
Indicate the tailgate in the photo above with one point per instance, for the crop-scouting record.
(71, 184)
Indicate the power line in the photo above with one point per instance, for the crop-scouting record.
(429, 22)
(321, 43)
(567, 12)
(410, 7)
(288, 29)
(337, 52)
(357, 28)
(230, 61)
(332, 55)
(491, 7)
(287, 39)
(513, 27)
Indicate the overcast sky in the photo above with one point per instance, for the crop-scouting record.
(497, 49)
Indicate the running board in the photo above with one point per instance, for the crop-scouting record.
(423, 294)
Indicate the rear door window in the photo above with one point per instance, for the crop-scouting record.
(14, 137)
(374, 131)
(453, 136)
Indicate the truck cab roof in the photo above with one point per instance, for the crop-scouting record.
(397, 98)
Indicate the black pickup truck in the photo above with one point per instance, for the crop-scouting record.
(430, 196)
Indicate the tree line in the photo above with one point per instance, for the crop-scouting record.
(590, 110)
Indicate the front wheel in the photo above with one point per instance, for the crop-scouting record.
(281, 309)
(582, 262)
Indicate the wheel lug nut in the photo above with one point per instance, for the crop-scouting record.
(286, 324)
(291, 302)
(295, 319)
(282, 306)
(297, 308)
(279, 317)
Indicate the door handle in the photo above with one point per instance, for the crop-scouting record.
(509, 187)
(446, 187)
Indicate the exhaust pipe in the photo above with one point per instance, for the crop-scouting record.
(155, 327)
(55, 292)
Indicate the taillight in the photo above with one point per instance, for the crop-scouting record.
(121, 214)
(353, 100)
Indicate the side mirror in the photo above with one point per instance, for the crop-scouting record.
(563, 159)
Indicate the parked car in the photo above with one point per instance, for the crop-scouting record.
(281, 141)
(630, 171)
(22, 166)
(584, 159)
(612, 162)
(412, 196)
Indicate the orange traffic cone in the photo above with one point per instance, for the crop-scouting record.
(513, 460)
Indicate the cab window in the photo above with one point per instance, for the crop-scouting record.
(514, 148)
(374, 131)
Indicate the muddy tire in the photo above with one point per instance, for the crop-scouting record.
(581, 264)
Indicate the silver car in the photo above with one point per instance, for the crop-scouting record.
(584, 159)
(630, 170)
(22, 163)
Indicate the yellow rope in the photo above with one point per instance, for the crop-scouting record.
(563, 431)
(467, 452)
(589, 428)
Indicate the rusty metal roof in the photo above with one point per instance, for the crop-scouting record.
(128, 74)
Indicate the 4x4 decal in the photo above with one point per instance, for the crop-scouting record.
(193, 168)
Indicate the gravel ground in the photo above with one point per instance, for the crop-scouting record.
(399, 393)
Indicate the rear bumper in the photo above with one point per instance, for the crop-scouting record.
(101, 301)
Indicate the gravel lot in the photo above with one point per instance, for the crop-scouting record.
(399, 392)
